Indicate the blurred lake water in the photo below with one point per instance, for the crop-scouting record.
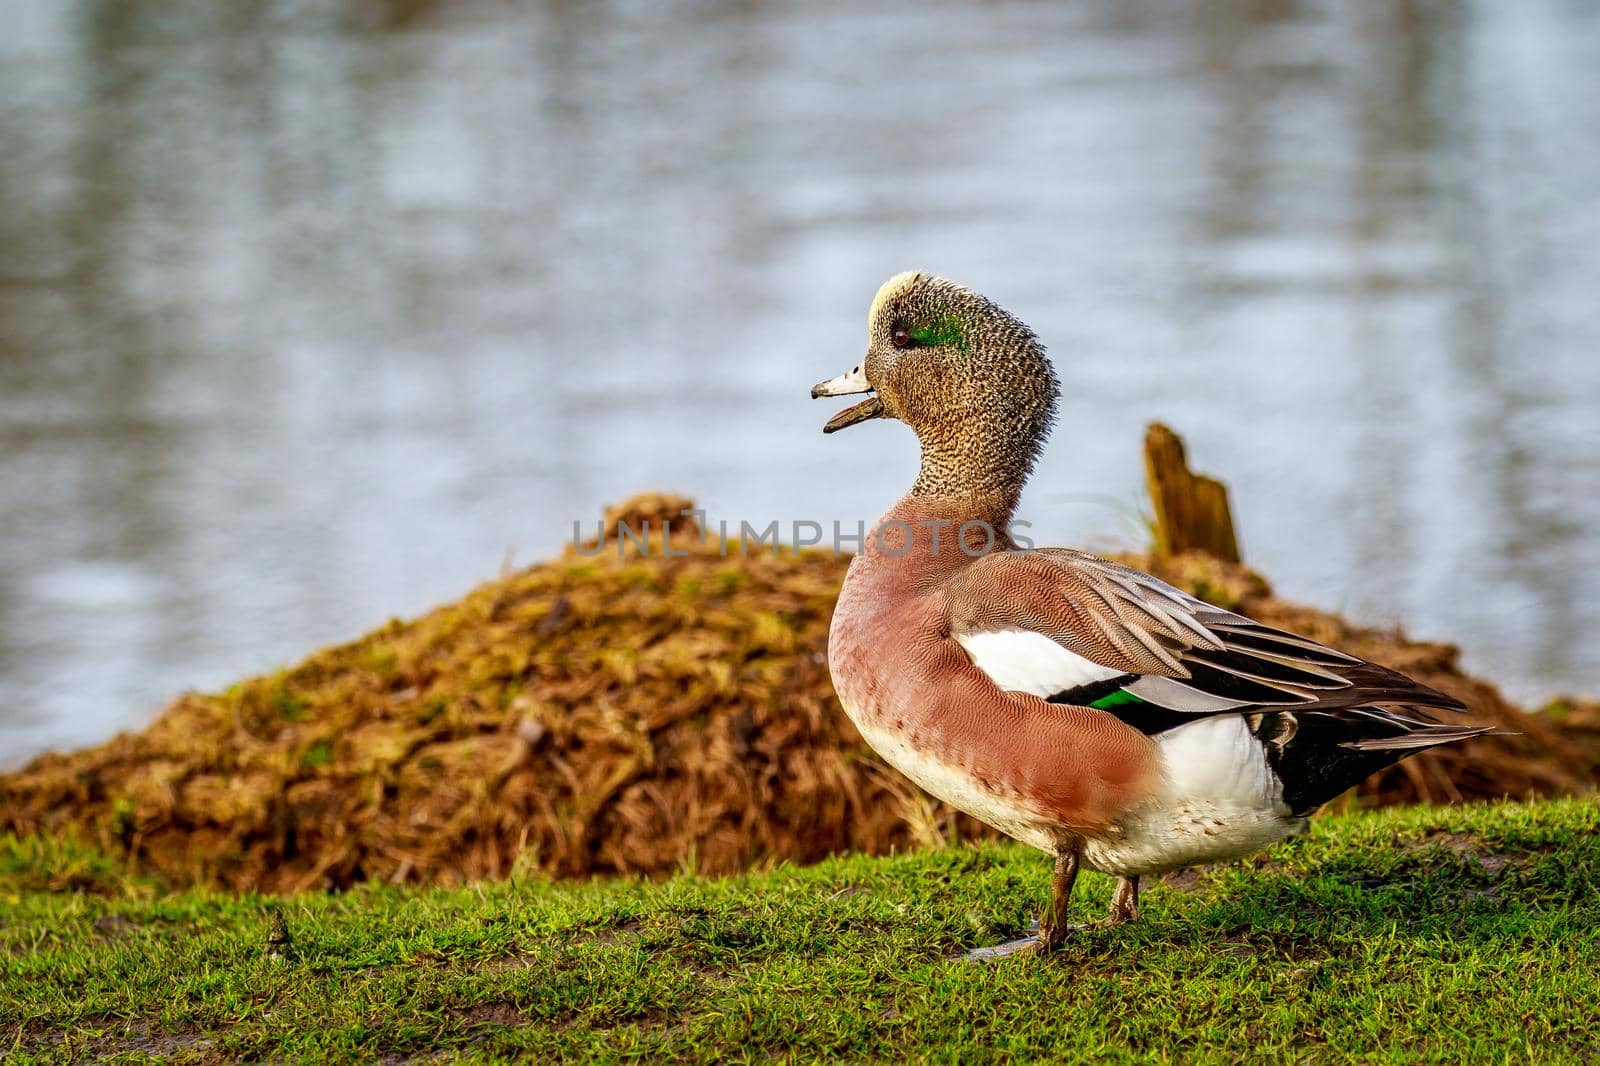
(314, 314)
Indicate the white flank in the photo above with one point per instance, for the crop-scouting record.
(1024, 661)
(1221, 800)
(1220, 760)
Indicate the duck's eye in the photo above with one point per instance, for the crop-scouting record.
(900, 338)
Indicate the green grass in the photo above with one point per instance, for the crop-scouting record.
(1466, 934)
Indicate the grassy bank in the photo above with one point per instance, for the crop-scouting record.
(1458, 934)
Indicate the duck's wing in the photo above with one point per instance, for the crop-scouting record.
(1074, 628)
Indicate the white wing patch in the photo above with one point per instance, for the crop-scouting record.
(1024, 661)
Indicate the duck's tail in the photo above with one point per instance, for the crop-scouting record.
(1318, 755)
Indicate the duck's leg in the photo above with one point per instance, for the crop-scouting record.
(1124, 901)
(1053, 927)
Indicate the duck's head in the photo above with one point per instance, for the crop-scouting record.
(970, 379)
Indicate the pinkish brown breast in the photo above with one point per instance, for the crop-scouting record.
(1007, 758)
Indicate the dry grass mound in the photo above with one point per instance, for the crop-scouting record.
(611, 714)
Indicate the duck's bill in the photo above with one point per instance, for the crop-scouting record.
(871, 407)
(848, 384)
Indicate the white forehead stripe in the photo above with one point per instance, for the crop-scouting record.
(889, 290)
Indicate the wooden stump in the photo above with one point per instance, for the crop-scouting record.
(1191, 509)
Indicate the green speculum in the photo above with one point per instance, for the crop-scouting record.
(1119, 698)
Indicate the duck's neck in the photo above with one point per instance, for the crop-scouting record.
(977, 470)
(936, 534)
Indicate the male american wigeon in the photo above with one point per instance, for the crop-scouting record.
(1078, 705)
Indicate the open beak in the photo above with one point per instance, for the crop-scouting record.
(848, 384)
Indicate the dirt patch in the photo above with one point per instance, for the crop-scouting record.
(155, 1044)
(1492, 863)
(1189, 879)
(612, 934)
(115, 1037)
(113, 926)
(1236, 948)
(395, 1059)
(715, 975)
(520, 960)
(622, 713)
(653, 1018)
(503, 1014)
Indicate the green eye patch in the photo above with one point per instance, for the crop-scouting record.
(942, 331)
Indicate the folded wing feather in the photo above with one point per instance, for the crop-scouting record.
(1059, 623)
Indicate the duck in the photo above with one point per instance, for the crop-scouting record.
(1078, 705)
